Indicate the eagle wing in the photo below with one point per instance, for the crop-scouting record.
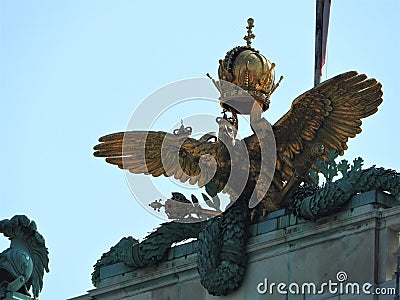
(328, 115)
(161, 153)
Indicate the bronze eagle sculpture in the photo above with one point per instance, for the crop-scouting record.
(320, 120)
(261, 173)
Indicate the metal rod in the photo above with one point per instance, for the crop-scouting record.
(318, 41)
(397, 297)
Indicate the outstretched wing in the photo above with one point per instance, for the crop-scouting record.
(161, 153)
(327, 115)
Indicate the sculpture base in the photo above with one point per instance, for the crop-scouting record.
(351, 250)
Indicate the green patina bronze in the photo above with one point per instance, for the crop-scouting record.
(23, 264)
(222, 240)
(312, 202)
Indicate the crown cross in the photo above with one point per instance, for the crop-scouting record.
(250, 35)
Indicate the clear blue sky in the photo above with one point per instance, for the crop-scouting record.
(72, 71)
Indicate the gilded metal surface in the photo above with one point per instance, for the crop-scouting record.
(178, 207)
(248, 69)
(319, 121)
(327, 115)
(250, 35)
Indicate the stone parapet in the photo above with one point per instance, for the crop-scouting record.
(357, 242)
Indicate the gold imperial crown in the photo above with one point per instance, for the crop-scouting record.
(245, 75)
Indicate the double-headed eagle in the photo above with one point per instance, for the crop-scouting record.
(325, 116)
(319, 121)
